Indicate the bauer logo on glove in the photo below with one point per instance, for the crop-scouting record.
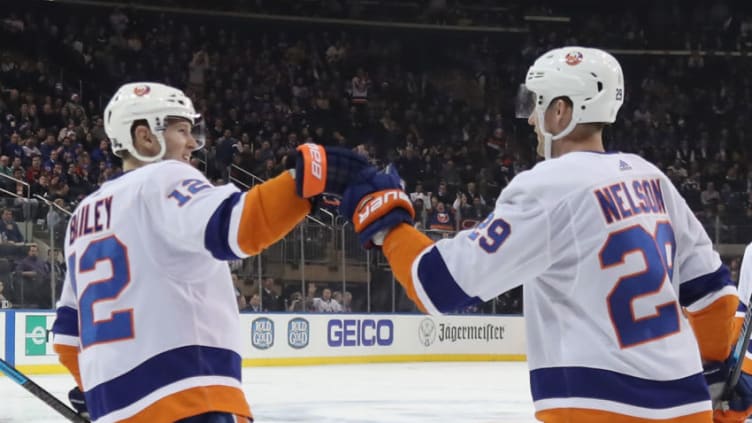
(313, 164)
(375, 205)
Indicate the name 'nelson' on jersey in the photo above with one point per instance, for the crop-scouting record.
(627, 199)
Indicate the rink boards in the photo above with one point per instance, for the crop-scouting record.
(276, 339)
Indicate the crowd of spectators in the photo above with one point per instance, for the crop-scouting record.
(444, 115)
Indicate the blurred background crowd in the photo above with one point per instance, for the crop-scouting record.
(427, 85)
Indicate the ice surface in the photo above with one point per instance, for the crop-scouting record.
(352, 393)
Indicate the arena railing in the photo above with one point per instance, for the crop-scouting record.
(322, 252)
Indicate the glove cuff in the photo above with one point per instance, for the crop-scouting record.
(310, 170)
(385, 224)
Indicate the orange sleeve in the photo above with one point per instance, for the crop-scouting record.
(270, 211)
(68, 357)
(402, 246)
(715, 328)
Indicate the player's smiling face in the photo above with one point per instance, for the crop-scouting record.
(179, 141)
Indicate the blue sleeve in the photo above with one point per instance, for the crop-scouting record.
(699, 287)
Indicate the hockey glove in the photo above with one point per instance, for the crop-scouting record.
(375, 203)
(78, 401)
(320, 169)
(739, 405)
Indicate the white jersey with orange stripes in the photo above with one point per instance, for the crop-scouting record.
(148, 298)
(609, 255)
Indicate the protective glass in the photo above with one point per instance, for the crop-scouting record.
(524, 103)
(198, 132)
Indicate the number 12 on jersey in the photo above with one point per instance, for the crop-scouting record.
(119, 325)
(657, 251)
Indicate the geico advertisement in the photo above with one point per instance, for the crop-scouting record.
(359, 332)
(34, 338)
(279, 335)
(345, 334)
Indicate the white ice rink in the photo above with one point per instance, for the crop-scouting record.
(368, 393)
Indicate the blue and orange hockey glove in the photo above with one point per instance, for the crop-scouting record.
(739, 406)
(325, 170)
(78, 401)
(376, 203)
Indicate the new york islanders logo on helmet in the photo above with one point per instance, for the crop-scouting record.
(141, 90)
(573, 58)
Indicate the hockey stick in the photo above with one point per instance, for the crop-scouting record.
(737, 357)
(40, 393)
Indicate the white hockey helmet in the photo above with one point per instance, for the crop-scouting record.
(154, 103)
(591, 78)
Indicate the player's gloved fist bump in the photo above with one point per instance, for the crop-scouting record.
(320, 169)
(376, 203)
(78, 401)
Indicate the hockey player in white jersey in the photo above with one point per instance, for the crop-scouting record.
(147, 321)
(621, 283)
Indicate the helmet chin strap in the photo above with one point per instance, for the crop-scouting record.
(149, 159)
(549, 138)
